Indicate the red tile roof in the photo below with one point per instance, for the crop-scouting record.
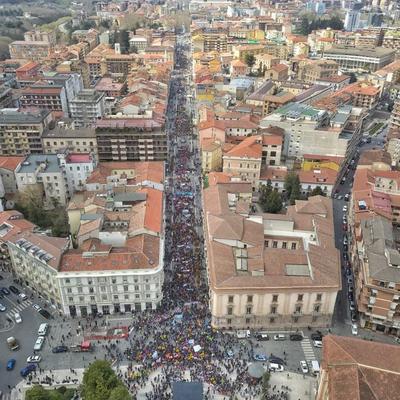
(250, 147)
(10, 162)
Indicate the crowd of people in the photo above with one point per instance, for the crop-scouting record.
(176, 341)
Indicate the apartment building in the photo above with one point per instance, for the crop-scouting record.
(37, 35)
(360, 58)
(78, 167)
(12, 222)
(208, 41)
(271, 149)
(118, 266)
(244, 160)
(132, 139)
(21, 131)
(352, 365)
(35, 260)
(87, 106)
(63, 136)
(376, 261)
(211, 155)
(393, 147)
(266, 271)
(29, 50)
(395, 116)
(308, 130)
(8, 165)
(312, 70)
(44, 173)
(45, 97)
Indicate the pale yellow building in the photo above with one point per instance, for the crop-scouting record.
(211, 155)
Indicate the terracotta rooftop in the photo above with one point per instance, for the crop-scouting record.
(10, 162)
(250, 147)
(12, 222)
(360, 369)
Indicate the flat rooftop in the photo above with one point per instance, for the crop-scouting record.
(360, 51)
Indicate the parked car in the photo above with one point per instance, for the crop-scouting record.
(272, 367)
(317, 335)
(345, 208)
(349, 280)
(260, 357)
(60, 349)
(346, 197)
(348, 271)
(2, 307)
(243, 334)
(345, 240)
(351, 289)
(353, 317)
(34, 359)
(39, 343)
(352, 306)
(5, 291)
(262, 336)
(296, 337)
(276, 360)
(36, 307)
(23, 296)
(17, 317)
(304, 367)
(45, 314)
(27, 370)
(354, 329)
(14, 289)
(280, 337)
(317, 343)
(345, 248)
(11, 364)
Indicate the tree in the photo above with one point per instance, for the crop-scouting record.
(60, 226)
(30, 203)
(119, 393)
(250, 60)
(274, 202)
(265, 384)
(317, 192)
(37, 393)
(292, 187)
(99, 381)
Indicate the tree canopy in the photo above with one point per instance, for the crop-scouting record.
(249, 59)
(308, 24)
(37, 392)
(270, 200)
(101, 383)
(292, 187)
(317, 191)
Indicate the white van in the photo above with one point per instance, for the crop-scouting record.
(43, 329)
(245, 334)
(315, 367)
(273, 367)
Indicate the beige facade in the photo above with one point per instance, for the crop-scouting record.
(211, 156)
(75, 140)
(266, 271)
(246, 168)
(311, 71)
(35, 259)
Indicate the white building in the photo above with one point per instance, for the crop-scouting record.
(77, 167)
(44, 172)
(87, 107)
(352, 20)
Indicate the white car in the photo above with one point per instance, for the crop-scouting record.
(345, 208)
(317, 343)
(280, 337)
(23, 296)
(349, 280)
(36, 307)
(3, 307)
(39, 343)
(17, 317)
(304, 367)
(354, 329)
(34, 359)
(273, 367)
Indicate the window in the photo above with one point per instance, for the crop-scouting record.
(275, 298)
(114, 280)
(248, 321)
(295, 319)
(69, 290)
(136, 288)
(266, 243)
(115, 297)
(80, 289)
(299, 297)
(272, 320)
(81, 299)
(317, 307)
(126, 296)
(91, 290)
(273, 309)
(298, 309)
(229, 321)
(250, 298)
(126, 288)
(230, 310)
(67, 280)
(92, 298)
(284, 245)
(319, 296)
(230, 299)
(275, 244)
(249, 309)
(71, 299)
(294, 245)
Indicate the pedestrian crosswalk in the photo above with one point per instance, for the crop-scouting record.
(307, 349)
(18, 308)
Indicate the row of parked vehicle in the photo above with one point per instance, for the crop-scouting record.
(262, 336)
